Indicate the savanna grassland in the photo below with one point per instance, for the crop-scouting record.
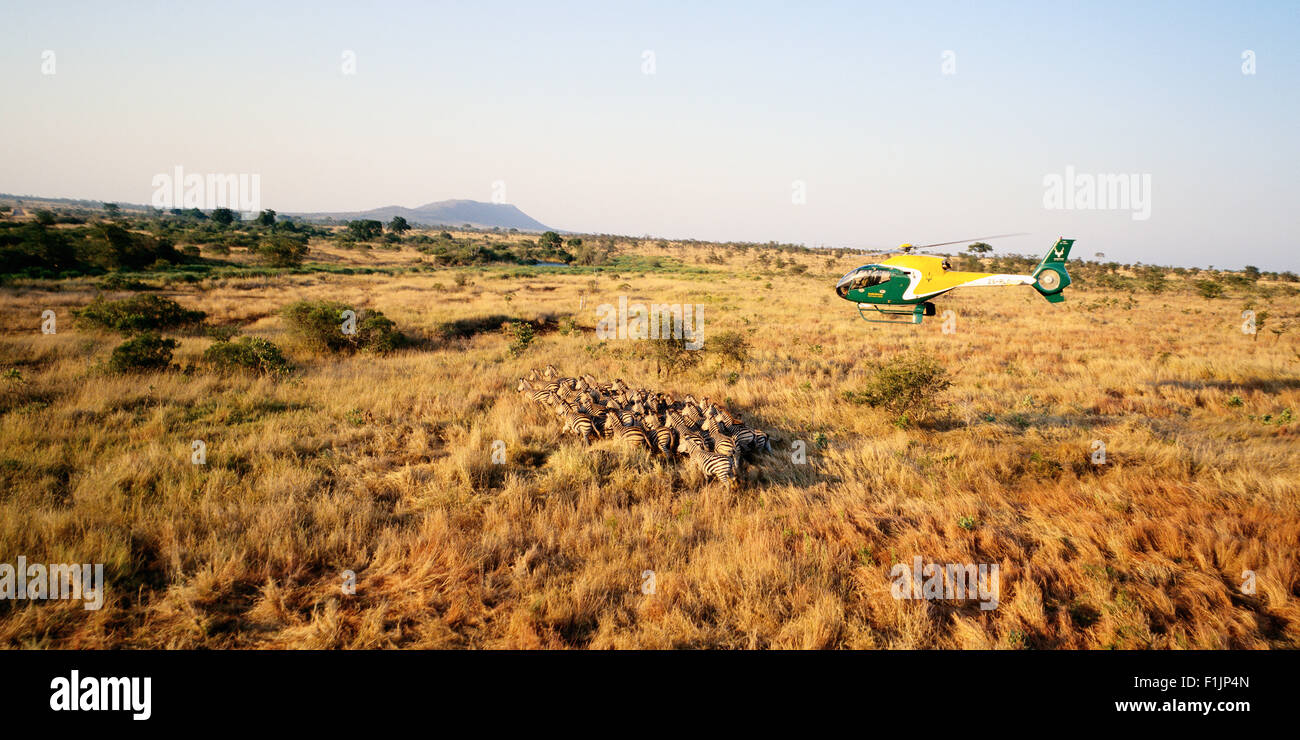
(379, 463)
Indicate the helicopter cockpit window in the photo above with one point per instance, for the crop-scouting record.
(863, 277)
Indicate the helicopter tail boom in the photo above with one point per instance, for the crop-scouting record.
(1050, 277)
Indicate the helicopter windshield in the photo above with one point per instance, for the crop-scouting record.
(863, 277)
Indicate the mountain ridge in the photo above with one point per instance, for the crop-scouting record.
(452, 212)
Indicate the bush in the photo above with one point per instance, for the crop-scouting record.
(521, 335)
(118, 281)
(731, 346)
(138, 313)
(907, 385)
(320, 325)
(247, 353)
(671, 355)
(282, 251)
(147, 351)
(1209, 289)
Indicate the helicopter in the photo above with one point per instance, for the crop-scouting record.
(899, 289)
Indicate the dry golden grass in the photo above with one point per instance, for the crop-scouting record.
(381, 466)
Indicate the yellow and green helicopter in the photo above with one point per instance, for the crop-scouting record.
(899, 289)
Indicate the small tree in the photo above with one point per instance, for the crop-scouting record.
(398, 225)
(223, 217)
(671, 355)
(113, 210)
(979, 248)
(266, 218)
(365, 230)
(282, 251)
(1209, 289)
(521, 335)
(730, 346)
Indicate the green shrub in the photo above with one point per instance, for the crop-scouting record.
(320, 325)
(282, 251)
(148, 351)
(907, 385)
(1209, 289)
(731, 346)
(247, 353)
(671, 355)
(138, 313)
(521, 335)
(118, 281)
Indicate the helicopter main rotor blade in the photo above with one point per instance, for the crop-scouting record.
(969, 241)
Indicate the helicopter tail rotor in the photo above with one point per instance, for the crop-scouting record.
(1050, 277)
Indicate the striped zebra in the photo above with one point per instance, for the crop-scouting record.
(692, 415)
(719, 467)
(539, 397)
(665, 436)
(743, 436)
(725, 444)
(564, 389)
(688, 438)
(626, 433)
(582, 425)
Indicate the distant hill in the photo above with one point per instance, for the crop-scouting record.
(443, 213)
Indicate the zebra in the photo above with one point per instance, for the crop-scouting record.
(550, 372)
(687, 438)
(539, 397)
(692, 415)
(581, 424)
(665, 436)
(626, 433)
(566, 390)
(725, 444)
(719, 467)
(743, 435)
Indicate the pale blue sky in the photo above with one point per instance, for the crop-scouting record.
(746, 98)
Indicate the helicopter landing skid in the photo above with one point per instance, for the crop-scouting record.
(896, 315)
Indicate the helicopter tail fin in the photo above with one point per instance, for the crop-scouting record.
(1050, 275)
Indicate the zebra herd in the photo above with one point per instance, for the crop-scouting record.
(706, 433)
